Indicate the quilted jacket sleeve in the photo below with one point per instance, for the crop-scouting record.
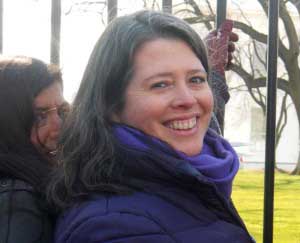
(21, 217)
(113, 228)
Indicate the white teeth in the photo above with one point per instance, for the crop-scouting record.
(183, 124)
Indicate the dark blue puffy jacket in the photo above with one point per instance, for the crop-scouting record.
(172, 203)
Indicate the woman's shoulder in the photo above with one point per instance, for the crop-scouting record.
(15, 191)
(128, 213)
(23, 215)
(18, 196)
(11, 184)
(101, 205)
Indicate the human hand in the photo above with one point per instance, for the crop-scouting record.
(220, 46)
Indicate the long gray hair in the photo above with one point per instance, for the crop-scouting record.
(87, 150)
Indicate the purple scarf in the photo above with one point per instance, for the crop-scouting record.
(217, 161)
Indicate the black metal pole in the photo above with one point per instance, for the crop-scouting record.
(221, 12)
(1, 26)
(167, 6)
(271, 120)
(55, 31)
(221, 16)
(112, 9)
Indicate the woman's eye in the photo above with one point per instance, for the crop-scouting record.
(41, 119)
(159, 85)
(41, 116)
(198, 80)
(63, 112)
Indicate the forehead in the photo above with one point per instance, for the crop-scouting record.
(50, 96)
(163, 53)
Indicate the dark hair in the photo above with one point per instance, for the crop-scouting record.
(21, 80)
(87, 150)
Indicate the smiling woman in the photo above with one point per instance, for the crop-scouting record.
(26, 147)
(168, 96)
(50, 109)
(138, 161)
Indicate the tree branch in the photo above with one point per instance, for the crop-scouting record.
(198, 12)
(260, 37)
(282, 120)
(290, 31)
(205, 19)
(251, 82)
(296, 3)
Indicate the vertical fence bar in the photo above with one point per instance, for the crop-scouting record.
(221, 16)
(1, 26)
(271, 120)
(55, 31)
(167, 6)
(112, 10)
(221, 12)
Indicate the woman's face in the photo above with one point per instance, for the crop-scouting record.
(49, 108)
(168, 96)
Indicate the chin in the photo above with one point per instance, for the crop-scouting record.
(190, 151)
(51, 148)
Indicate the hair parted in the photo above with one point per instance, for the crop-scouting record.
(21, 80)
(87, 150)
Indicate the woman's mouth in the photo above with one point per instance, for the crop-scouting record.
(186, 124)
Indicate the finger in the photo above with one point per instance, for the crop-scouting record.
(231, 47)
(229, 62)
(229, 58)
(228, 67)
(234, 37)
(224, 32)
(226, 26)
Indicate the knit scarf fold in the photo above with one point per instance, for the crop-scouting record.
(217, 161)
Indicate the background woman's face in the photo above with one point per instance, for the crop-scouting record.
(168, 96)
(50, 107)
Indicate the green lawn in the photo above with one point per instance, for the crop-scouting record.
(248, 198)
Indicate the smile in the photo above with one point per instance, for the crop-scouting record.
(183, 124)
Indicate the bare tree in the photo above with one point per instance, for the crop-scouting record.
(254, 80)
(87, 6)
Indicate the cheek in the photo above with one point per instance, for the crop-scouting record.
(134, 113)
(139, 111)
(206, 100)
(210, 102)
(37, 136)
(33, 137)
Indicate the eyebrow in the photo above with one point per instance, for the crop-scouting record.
(43, 109)
(194, 71)
(168, 74)
(158, 75)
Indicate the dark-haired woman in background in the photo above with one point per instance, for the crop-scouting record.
(139, 162)
(31, 110)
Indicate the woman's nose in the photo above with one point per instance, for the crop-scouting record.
(184, 97)
(55, 121)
